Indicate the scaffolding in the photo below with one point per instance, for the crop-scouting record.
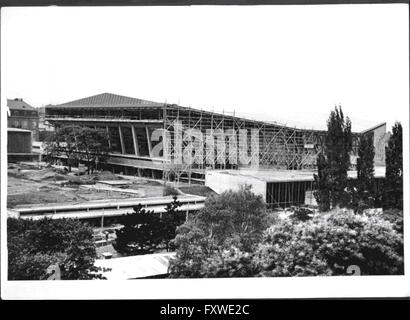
(270, 145)
(222, 143)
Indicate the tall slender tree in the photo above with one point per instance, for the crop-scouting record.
(322, 193)
(335, 162)
(170, 220)
(365, 173)
(393, 189)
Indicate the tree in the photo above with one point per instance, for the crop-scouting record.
(335, 163)
(92, 146)
(322, 184)
(220, 239)
(238, 216)
(194, 246)
(62, 142)
(365, 174)
(170, 220)
(77, 143)
(141, 232)
(35, 245)
(144, 231)
(393, 187)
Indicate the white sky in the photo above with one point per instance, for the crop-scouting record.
(290, 64)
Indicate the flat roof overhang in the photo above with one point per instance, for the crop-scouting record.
(277, 176)
(97, 119)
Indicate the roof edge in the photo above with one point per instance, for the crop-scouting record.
(373, 128)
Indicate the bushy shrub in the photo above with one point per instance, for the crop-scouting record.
(198, 256)
(272, 217)
(328, 244)
(26, 266)
(301, 214)
(286, 251)
(194, 246)
(395, 216)
(230, 263)
(170, 191)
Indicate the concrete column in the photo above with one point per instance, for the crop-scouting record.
(108, 134)
(135, 140)
(148, 141)
(122, 141)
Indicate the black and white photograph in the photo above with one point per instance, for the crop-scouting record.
(205, 151)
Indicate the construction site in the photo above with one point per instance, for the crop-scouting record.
(160, 150)
(41, 191)
(185, 146)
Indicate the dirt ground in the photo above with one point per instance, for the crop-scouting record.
(23, 191)
(50, 185)
(147, 188)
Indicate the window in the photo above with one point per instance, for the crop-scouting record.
(24, 124)
(103, 130)
(114, 134)
(141, 136)
(127, 139)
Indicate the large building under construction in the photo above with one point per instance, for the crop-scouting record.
(181, 144)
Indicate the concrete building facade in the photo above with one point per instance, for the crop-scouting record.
(278, 188)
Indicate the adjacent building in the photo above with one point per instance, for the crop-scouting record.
(23, 116)
(20, 145)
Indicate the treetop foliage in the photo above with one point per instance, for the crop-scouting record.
(326, 244)
(233, 219)
(144, 231)
(77, 143)
(33, 245)
(329, 243)
(363, 194)
(231, 215)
